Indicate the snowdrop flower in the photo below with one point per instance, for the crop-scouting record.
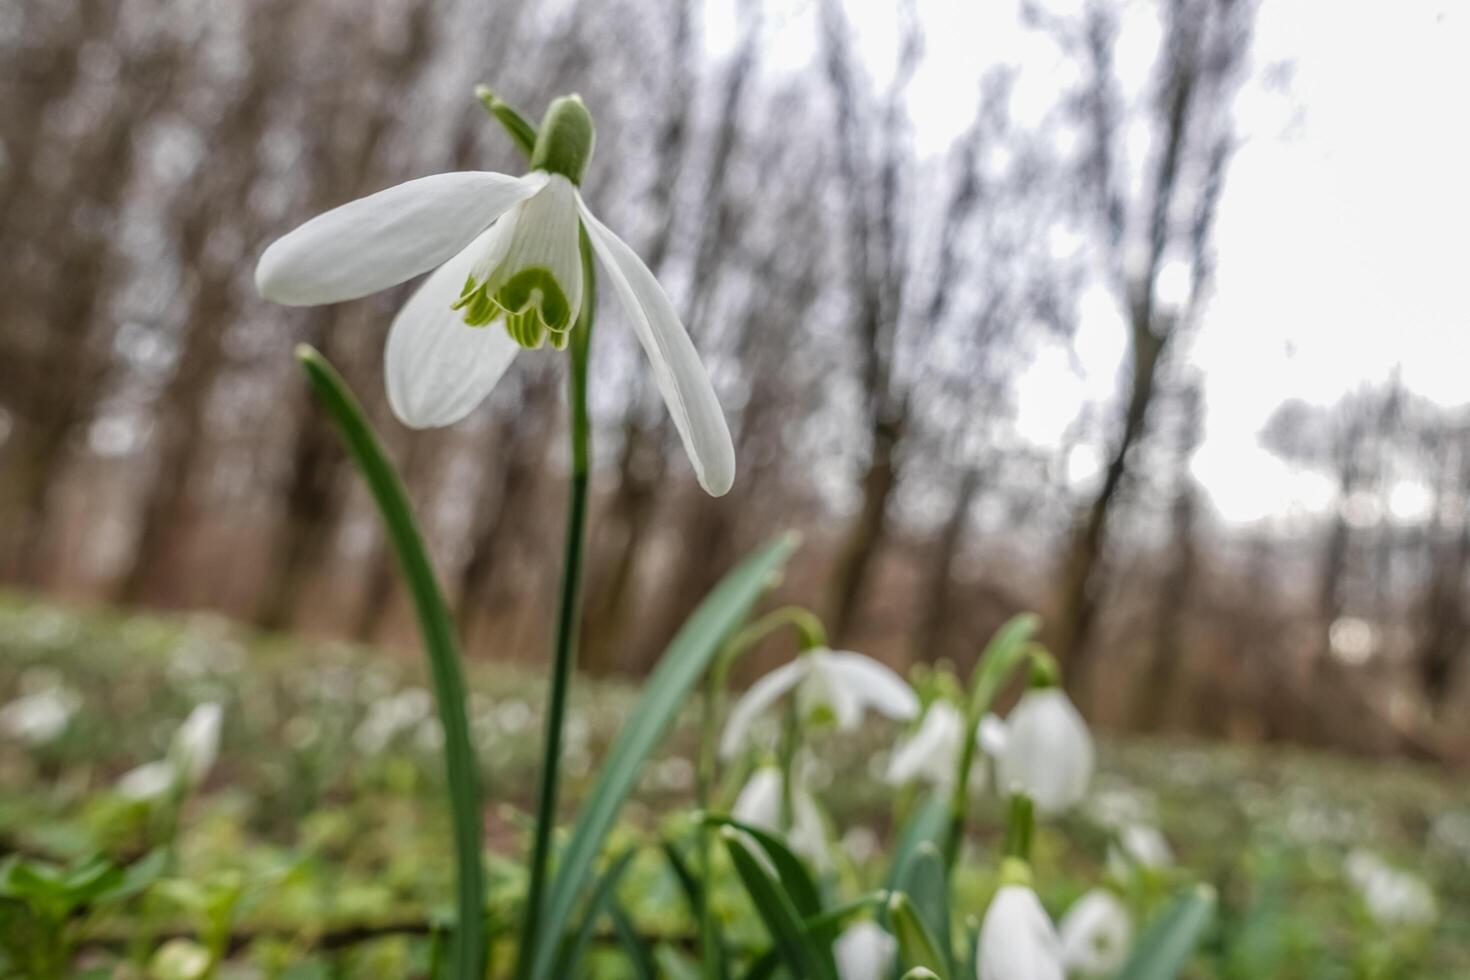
(1017, 939)
(148, 781)
(1140, 845)
(191, 755)
(864, 951)
(830, 685)
(196, 744)
(933, 752)
(1393, 897)
(759, 804)
(1048, 751)
(1095, 934)
(40, 717)
(507, 275)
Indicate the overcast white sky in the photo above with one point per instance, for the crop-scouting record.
(1342, 233)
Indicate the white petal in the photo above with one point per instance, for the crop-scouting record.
(931, 753)
(386, 238)
(1017, 940)
(148, 781)
(196, 743)
(992, 735)
(1095, 934)
(438, 368)
(825, 696)
(545, 237)
(762, 694)
(676, 366)
(759, 802)
(876, 685)
(864, 951)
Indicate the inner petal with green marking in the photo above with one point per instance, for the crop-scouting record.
(531, 275)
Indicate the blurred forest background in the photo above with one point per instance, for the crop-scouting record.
(865, 304)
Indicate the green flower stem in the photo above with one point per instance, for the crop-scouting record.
(1019, 826)
(568, 619)
(1008, 650)
(470, 952)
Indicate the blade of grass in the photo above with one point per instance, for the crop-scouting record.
(603, 895)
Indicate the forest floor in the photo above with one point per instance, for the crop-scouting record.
(324, 812)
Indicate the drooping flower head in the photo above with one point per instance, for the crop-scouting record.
(1095, 934)
(506, 257)
(1017, 938)
(831, 686)
(932, 753)
(1048, 751)
(864, 951)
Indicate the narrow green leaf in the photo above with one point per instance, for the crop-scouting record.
(469, 945)
(675, 964)
(639, 958)
(803, 955)
(795, 878)
(916, 947)
(926, 824)
(926, 886)
(601, 899)
(664, 694)
(690, 885)
(1164, 949)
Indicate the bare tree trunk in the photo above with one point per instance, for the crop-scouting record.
(1155, 693)
(933, 600)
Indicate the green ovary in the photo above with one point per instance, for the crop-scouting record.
(531, 301)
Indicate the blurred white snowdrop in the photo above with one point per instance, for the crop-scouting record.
(831, 686)
(1139, 845)
(864, 951)
(860, 844)
(933, 752)
(507, 275)
(191, 754)
(1017, 939)
(1048, 751)
(1095, 934)
(40, 717)
(759, 804)
(1394, 897)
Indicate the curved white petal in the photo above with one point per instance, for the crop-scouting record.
(1017, 940)
(438, 368)
(1095, 934)
(386, 238)
(762, 694)
(932, 753)
(824, 696)
(676, 366)
(148, 781)
(876, 685)
(992, 735)
(759, 802)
